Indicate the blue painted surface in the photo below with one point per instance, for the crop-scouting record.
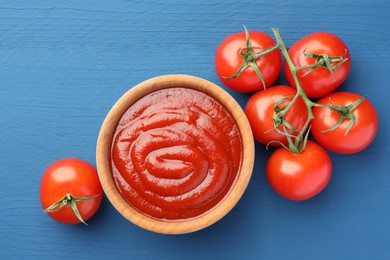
(63, 64)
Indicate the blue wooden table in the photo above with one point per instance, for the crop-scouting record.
(63, 64)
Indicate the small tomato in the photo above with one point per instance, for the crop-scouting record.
(260, 111)
(327, 50)
(346, 138)
(230, 56)
(70, 191)
(299, 176)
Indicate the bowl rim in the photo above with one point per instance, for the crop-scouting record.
(104, 143)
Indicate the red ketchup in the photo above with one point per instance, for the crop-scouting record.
(176, 153)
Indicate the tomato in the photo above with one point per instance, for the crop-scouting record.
(299, 176)
(360, 135)
(260, 110)
(321, 81)
(70, 191)
(228, 60)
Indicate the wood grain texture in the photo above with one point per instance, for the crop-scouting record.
(65, 63)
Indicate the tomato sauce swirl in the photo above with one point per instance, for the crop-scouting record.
(176, 153)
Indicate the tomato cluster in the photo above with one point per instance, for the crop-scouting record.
(284, 115)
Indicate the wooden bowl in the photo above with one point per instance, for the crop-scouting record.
(104, 144)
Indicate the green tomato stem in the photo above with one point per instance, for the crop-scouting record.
(300, 140)
(346, 112)
(69, 200)
(323, 60)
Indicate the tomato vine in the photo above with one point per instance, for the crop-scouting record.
(314, 66)
(297, 143)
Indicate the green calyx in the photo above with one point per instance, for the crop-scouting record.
(278, 117)
(330, 63)
(346, 112)
(69, 200)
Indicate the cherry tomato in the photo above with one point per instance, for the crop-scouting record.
(260, 110)
(70, 191)
(228, 60)
(361, 133)
(321, 81)
(299, 176)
